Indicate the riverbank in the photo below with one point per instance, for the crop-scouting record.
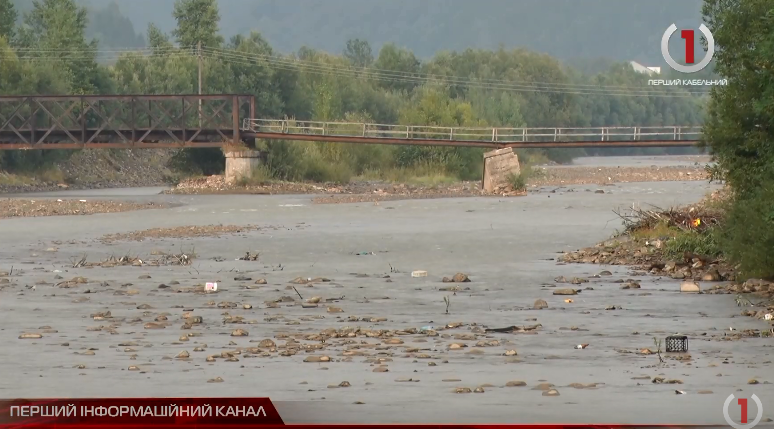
(95, 169)
(608, 171)
(679, 243)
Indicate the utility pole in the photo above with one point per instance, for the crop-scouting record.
(199, 54)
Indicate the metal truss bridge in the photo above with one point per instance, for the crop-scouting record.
(191, 121)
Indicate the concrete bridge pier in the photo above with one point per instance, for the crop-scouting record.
(240, 164)
(498, 164)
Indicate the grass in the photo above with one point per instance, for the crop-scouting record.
(678, 241)
(7, 179)
(701, 243)
(520, 181)
(260, 176)
(422, 175)
(660, 231)
(48, 174)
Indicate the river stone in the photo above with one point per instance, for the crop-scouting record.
(690, 287)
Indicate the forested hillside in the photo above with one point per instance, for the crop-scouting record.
(51, 52)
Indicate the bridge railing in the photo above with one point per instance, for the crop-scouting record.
(483, 134)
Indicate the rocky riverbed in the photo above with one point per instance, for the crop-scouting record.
(24, 207)
(332, 290)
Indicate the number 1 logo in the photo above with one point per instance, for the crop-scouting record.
(742, 403)
(689, 36)
(689, 45)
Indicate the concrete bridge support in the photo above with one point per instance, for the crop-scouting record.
(240, 164)
(498, 164)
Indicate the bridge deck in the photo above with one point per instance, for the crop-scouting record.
(489, 137)
(171, 121)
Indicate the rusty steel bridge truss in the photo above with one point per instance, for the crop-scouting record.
(123, 121)
(175, 121)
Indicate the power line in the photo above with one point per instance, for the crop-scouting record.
(247, 58)
(322, 70)
(233, 53)
(410, 74)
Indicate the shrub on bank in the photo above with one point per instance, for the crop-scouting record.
(747, 236)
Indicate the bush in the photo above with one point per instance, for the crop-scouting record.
(519, 181)
(747, 235)
(199, 161)
(31, 161)
(461, 162)
(260, 176)
(302, 161)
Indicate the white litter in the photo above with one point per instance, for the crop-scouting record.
(419, 274)
(768, 317)
(211, 287)
(83, 201)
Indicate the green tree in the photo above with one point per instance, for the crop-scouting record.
(8, 16)
(19, 77)
(359, 53)
(254, 75)
(740, 127)
(397, 68)
(197, 21)
(157, 40)
(432, 106)
(56, 29)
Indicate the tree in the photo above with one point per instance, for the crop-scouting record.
(740, 128)
(397, 67)
(58, 28)
(8, 16)
(197, 22)
(157, 40)
(358, 52)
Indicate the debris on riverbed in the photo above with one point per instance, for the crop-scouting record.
(160, 259)
(698, 218)
(514, 329)
(17, 207)
(250, 257)
(180, 232)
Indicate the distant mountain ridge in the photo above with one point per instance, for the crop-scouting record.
(615, 29)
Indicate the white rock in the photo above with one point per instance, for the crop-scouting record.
(690, 287)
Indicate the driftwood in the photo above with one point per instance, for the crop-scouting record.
(698, 218)
(514, 329)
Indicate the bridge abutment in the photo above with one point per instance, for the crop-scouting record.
(240, 164)
(498, 164)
